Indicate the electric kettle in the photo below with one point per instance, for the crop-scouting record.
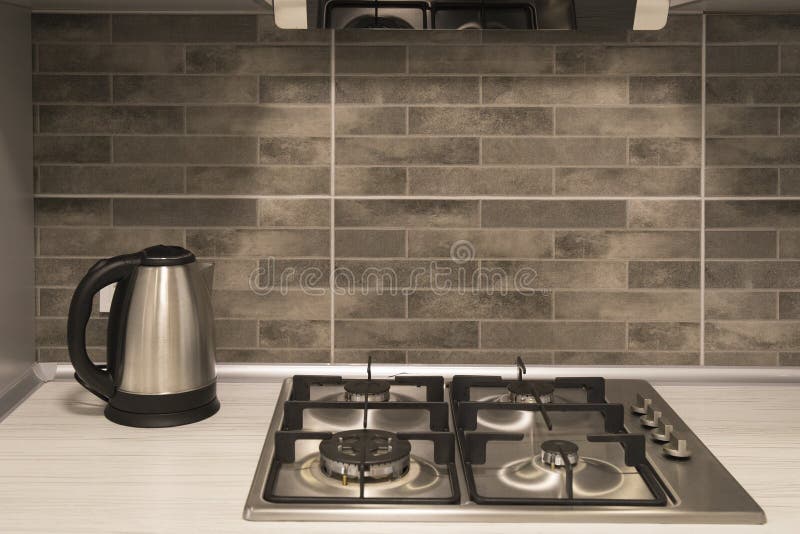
(160, 346)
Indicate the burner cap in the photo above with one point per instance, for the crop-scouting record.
(522, 391)
(374, 390)
(385, 456)
(551, 452)
(373, 21)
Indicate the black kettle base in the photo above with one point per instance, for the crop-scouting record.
(161, 420)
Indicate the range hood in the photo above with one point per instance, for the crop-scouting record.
(583, 15)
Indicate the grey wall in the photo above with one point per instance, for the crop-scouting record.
(575, 157)
(17, 352)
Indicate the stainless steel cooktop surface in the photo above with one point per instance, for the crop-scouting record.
(487, 448)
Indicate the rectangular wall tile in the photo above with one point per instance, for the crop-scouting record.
(188, 212)
(294, 150)
(741, 244)
(259, 243)
(553, 213)
(370, 181)
(479, 305)
(71, 88)
(753, 28)
(480, 243)
(406, 213)
(258, 120)
(61, 27)
(370, 243)
(658, 214)
(628, 306)
(627, 181)
(292, 334)
(741, 305)
(558, 335)
(184, 89)
(752, 275)
(664, 336)
(741, 120)
(180, 149)
(294, 212)
(72, 212)
(568, 151)
(485, 181)
(184, 28)
(294, 90)
(629, 121)
(628, 245)
(561, 274)
(289, 306)
(102, 242)
(741, 59)
(665, 90)
(548, 90)
(111, 119)
(368, 120)
(755, 335)
(627, 60)
(407, 90)
(275, 180)
(480, 121)
(722, 182)
(371, 305)
(664, 274)
(406, 334)
(232, 59)
(111, 58)
(371, 59)
(71, 149)
(406, 150)
(487, 59)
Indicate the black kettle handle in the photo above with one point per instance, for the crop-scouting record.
(96, 379)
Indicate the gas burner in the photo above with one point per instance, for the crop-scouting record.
(373, 390)
(521, 391)
(551, 452)
(383, 454)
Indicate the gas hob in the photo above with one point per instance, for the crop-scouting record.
(487, 448)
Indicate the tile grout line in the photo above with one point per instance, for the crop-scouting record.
(703, 194)
(332, 195)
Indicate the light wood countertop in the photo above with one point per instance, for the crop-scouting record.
(64, 468)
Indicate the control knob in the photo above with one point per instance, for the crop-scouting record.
(641, 405)
(652, 418)
(677, 448)
(663, 433)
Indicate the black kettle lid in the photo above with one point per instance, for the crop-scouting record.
(166, 255)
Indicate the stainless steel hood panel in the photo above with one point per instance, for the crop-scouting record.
(585, 15)
(702, 490)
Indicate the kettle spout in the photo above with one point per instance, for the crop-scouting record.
(207, 271)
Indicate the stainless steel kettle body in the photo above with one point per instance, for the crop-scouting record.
(160, 347)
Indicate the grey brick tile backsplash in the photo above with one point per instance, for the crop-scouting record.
(568, 161)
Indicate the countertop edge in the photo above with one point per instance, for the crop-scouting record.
(686, 374)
